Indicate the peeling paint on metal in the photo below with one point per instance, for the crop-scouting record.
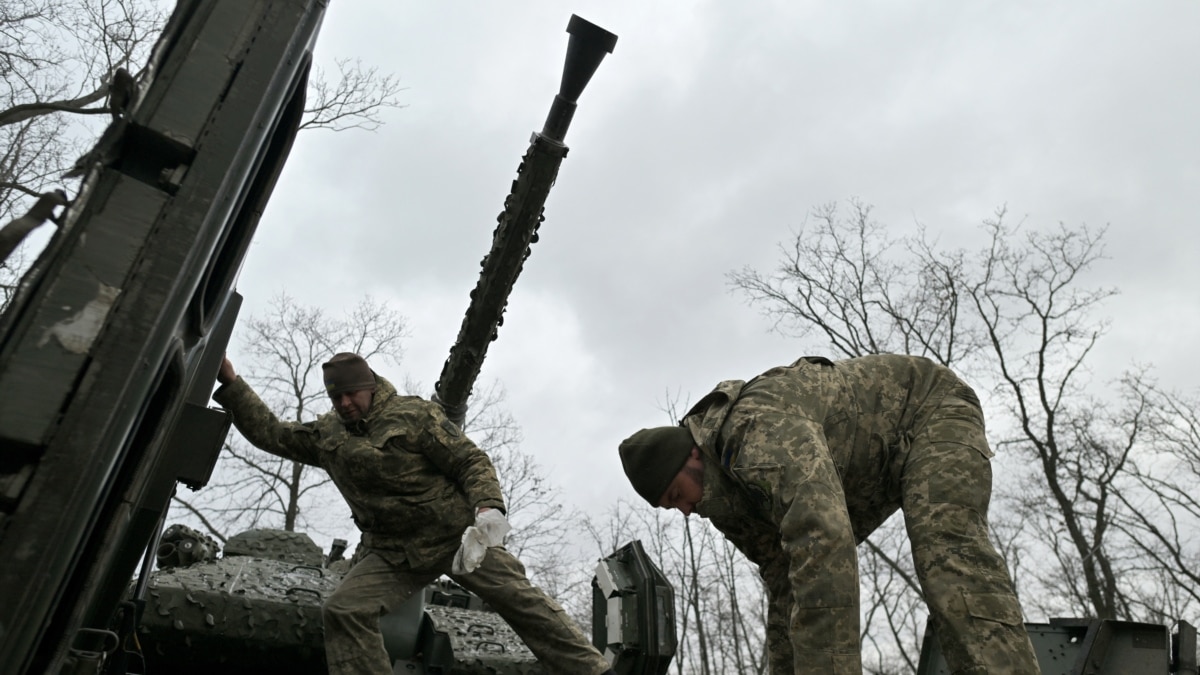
(76, 333)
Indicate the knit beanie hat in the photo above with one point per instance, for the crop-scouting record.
(653, 457)
(347, 372)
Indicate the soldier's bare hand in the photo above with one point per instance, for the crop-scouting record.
(225, 373)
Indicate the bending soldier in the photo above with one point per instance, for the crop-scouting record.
(415, 484)
(800, 464)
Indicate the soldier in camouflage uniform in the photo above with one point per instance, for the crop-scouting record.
(800, 464)
(414, 483)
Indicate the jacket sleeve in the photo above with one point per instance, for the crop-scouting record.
(460, 459)
(260, 426)
(784, 464)
(774, 573)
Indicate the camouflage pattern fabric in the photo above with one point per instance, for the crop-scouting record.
(375, 586)
(803, 462)
(413, 482)
(410, 476)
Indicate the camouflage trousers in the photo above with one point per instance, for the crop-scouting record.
(374, 587)
(945, 487)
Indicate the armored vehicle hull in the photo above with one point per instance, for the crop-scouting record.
(1095, 647)
(257, 609)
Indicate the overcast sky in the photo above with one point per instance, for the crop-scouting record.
(700, 144)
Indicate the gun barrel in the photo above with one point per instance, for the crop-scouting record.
(517, 224)
(585, 50)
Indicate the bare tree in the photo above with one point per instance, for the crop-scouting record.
(1162, 520)
(1014, 316)
(893, 621)
(864, 292)
(58, 60)
(535, 505)
(1041, 327)
(355, 101)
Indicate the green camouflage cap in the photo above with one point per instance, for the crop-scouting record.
(347, 372)
(653, 457)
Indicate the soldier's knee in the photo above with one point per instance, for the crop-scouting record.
(950, 526)
(340, 610)
(332, 611)
(967, 481)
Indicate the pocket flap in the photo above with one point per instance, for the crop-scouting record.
(998, 607)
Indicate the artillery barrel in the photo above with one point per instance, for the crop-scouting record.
(517, 224)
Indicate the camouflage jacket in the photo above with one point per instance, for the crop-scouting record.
(410, 476)
(863, 410)
(762, 441)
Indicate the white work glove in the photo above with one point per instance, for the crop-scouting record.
(489, 530)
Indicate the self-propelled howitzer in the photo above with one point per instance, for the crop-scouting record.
(517, 225)
(109, 348)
